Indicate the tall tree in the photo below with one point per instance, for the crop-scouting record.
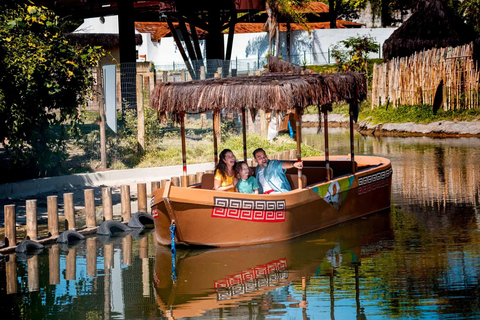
(287, 10)
(44, 79)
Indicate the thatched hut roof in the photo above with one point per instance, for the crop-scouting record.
(107, 41)
(432, 25)
(270, 91)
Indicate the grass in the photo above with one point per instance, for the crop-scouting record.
(417, 114)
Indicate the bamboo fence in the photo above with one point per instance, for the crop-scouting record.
(414, 79)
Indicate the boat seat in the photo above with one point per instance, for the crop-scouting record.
(207, 181)
(314, 174)
(293, 180)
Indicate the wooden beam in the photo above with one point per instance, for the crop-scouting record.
(244, 133)
(298, 121)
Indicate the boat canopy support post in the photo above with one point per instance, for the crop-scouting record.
(325, 110)
(244, 132)
(216, 133)
(298, 122)
(352, 141)
(184, 150)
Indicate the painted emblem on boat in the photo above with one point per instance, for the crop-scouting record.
(250, 210)
(335, 192)
(374, 181)
(252, 279)
(155, 213)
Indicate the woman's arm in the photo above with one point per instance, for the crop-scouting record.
(217, 183)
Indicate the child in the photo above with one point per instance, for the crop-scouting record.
(246, 183)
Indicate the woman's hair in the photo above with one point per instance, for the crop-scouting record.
(238, 168)
(221, 165)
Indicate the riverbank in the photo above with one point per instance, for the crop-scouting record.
(433, 129)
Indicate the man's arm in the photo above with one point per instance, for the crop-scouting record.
(289, 165)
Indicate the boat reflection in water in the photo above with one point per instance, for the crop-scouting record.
(212, 281)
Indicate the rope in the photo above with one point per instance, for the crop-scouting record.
(173, 250)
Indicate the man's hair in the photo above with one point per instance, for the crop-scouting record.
(258, 150)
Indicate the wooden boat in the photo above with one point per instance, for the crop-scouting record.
(328, 191)
(232, 277)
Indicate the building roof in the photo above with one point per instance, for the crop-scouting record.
(158, 30)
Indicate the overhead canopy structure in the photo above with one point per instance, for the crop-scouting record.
(270, 92)
(432, 25)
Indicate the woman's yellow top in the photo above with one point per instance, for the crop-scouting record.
(225, 181)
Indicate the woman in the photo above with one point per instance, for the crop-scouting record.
(224, 179)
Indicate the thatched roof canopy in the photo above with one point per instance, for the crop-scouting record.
(271, 91)
(432, 25)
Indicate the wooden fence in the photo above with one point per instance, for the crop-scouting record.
(414, 80)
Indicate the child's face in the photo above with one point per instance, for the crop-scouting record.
(244, 173)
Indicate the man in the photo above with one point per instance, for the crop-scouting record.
(270, 174)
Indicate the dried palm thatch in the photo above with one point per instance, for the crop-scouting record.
(270, 92)
(433, 25)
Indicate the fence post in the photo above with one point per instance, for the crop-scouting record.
(69, 211)
(32, 231)
(125, 202)
(142, 197)
(10, 225)
(90, 216)
(107, 203)
(52, 209)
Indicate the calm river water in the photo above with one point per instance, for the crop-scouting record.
(419, 260)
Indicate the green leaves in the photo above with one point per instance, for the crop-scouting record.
(43, 81)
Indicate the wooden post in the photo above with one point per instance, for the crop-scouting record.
(69, 211)
(52, 209)
(327, 152)
(101, 110)
(33, 274)
(244, 133)
(91, 257)
(54, 264)
(142, 197)
(154, 186)
(127, 250)
(352, 143)
(125, 202)
(285, 155)
(184, 150)
(140, 116)
(192, 179)
(10, 225)
(90, 216)
(32, 231)
(298, 120)
(216, 133)
(175, 181)
(11, 274)
(210, 171)
(292, 154)
(199, 176)
(163, 183)
(107, 204)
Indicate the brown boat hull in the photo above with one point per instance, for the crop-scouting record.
(215, 218)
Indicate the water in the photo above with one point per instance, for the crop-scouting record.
(419, 260)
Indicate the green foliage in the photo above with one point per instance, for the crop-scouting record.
(468, 10)
(418, 114)
(43, 81)
(352, 53)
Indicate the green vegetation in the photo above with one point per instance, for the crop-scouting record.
(417, 113)
(44, 79)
